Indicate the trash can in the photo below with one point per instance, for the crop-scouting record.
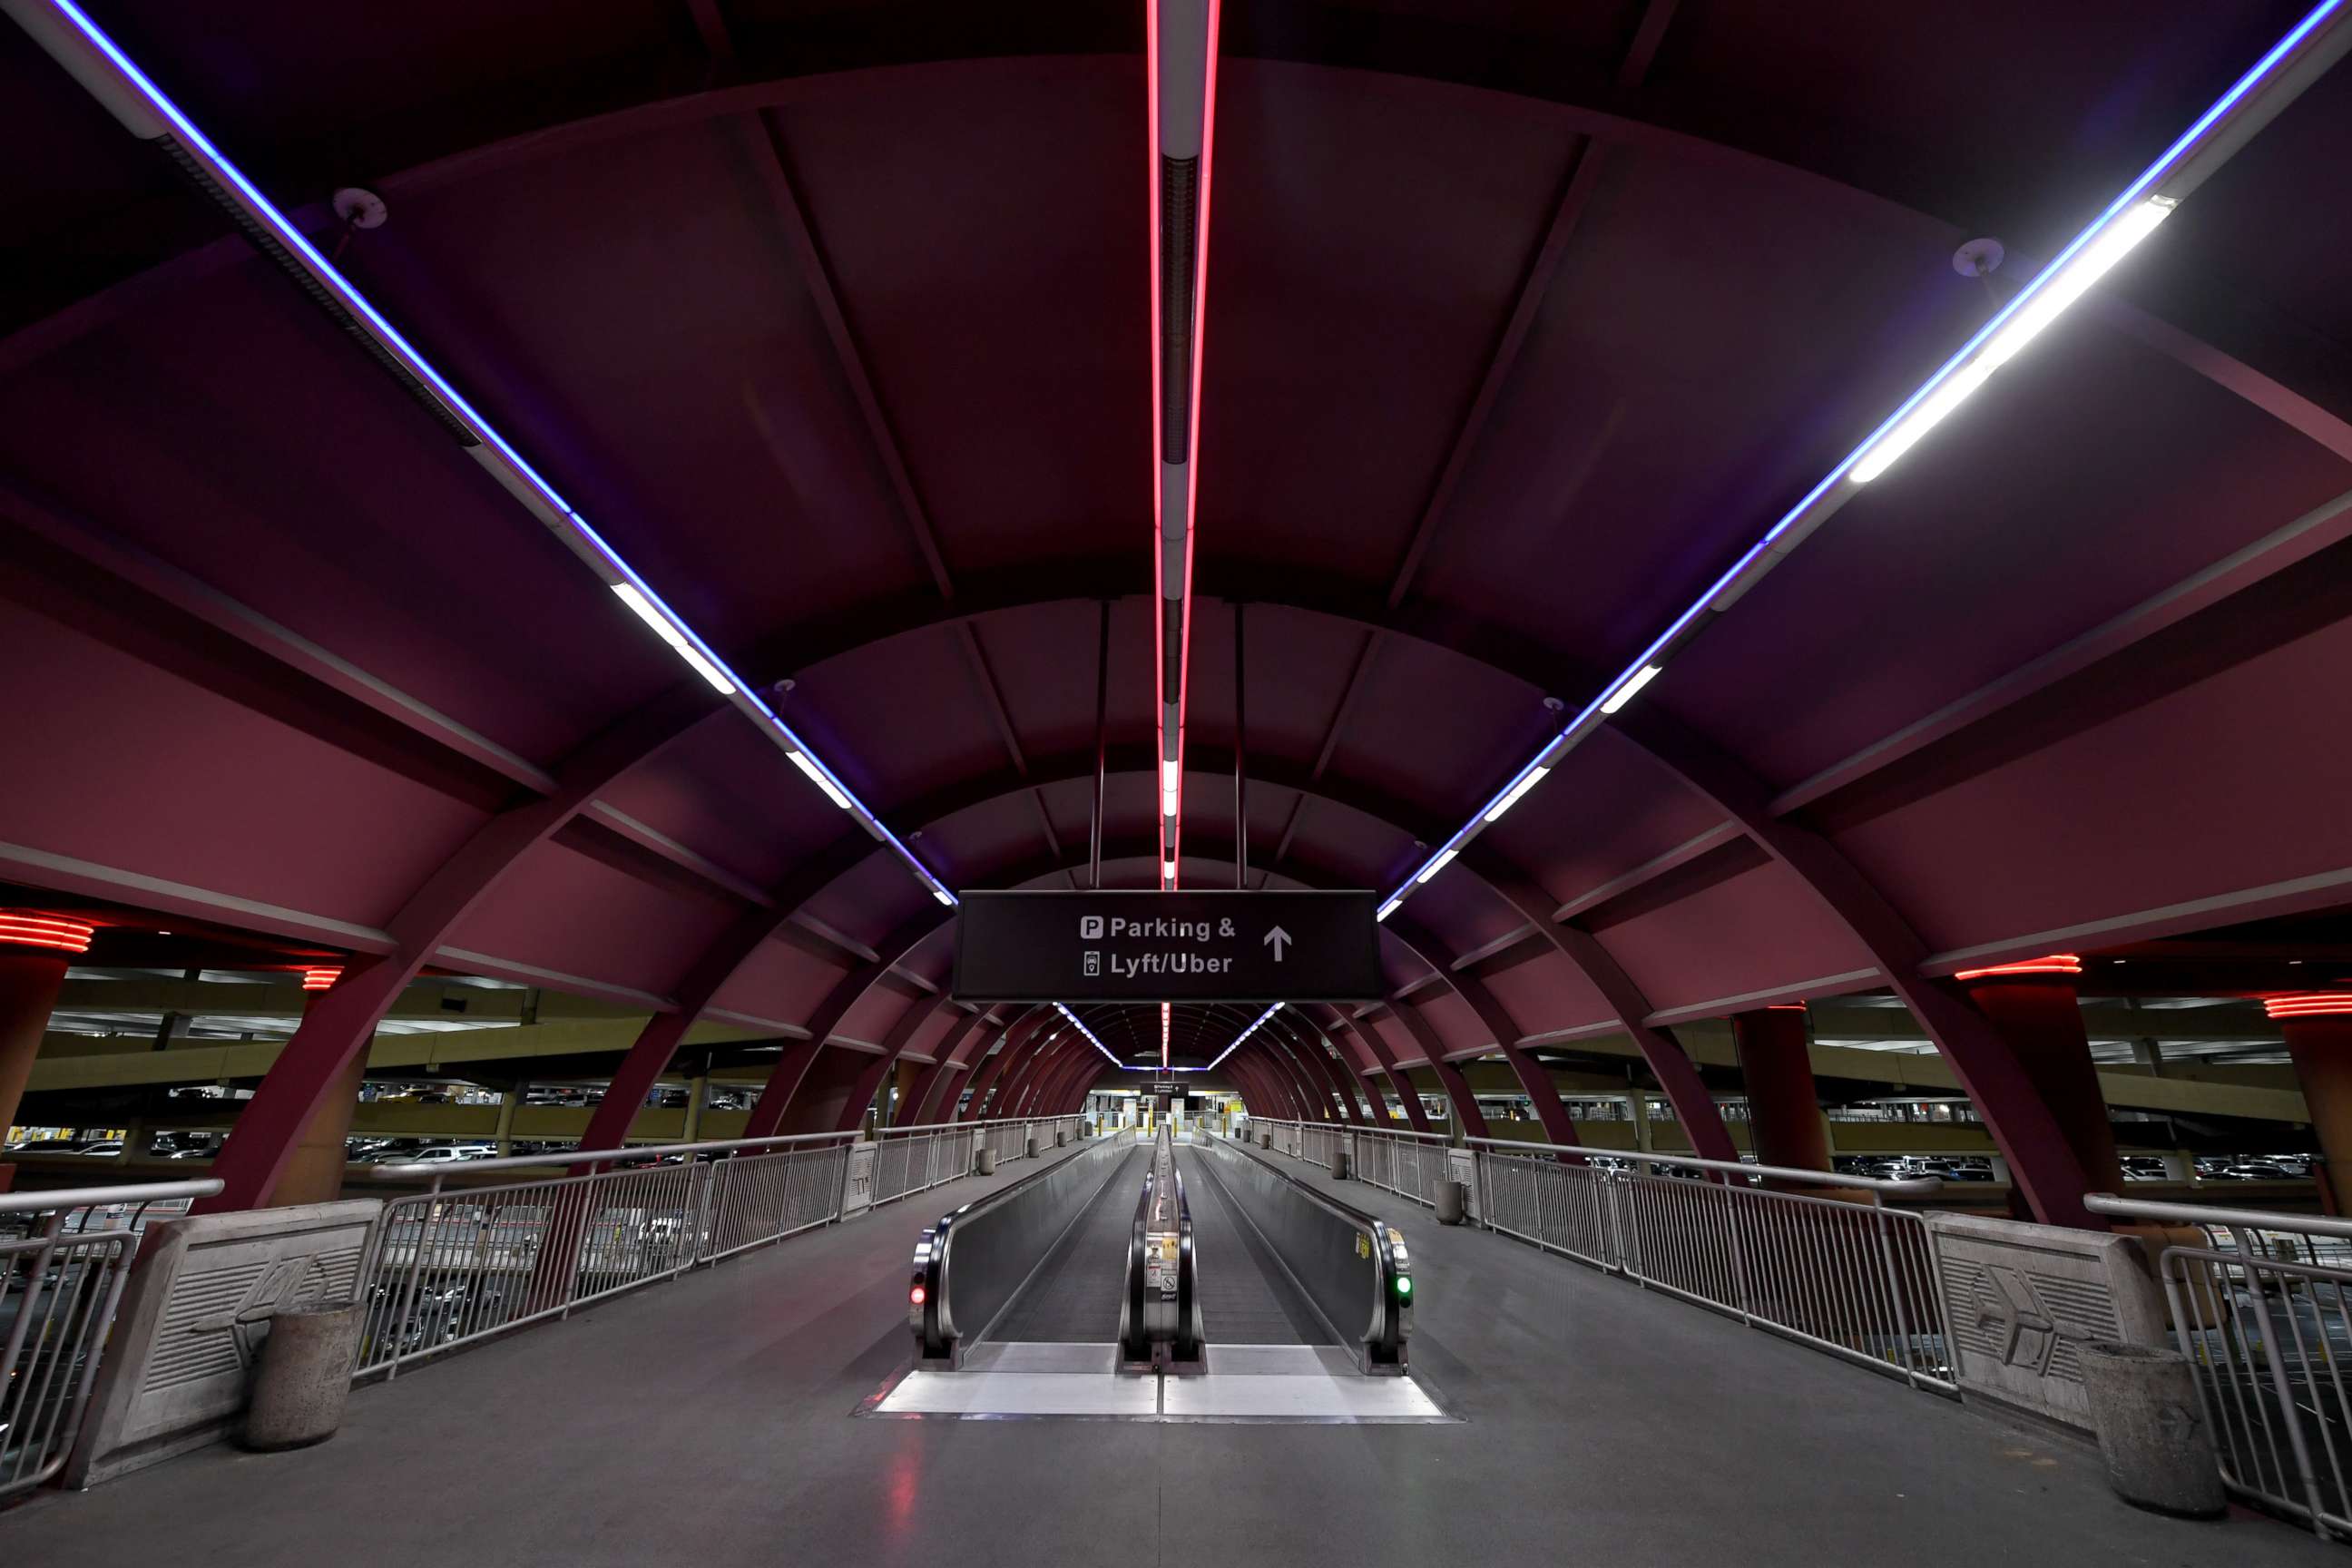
(2152, 1430)
(1338, 1165)
(1265, 1140)
(304, 1377)
(983, 1161)
(1453, 1202)
(1032, 1146)
(1061, 1136)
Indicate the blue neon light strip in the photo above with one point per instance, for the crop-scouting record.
(201, 146)
(1587, 717)
(1244, 1034)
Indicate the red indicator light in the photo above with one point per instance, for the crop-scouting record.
(916, 1296)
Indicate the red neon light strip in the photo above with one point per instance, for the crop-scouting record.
(321, 979)
(1172, 828)
(56, 933)
(2049, 963)
(1158, 455)
(2308, 1004)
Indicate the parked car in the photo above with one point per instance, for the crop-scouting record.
(451, 1154)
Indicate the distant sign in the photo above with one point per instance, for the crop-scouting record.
(1167, 947)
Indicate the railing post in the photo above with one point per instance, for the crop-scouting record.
(2250, 1261)
(704, 1178)
(1894, 1290)
(408, 1285)
(1739, 1250)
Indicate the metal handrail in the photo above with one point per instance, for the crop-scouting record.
(663, 1150)
(97, 1198)
(2203, 1213)
(2258, 1330)
(1404, 1133)
(1908, 1186)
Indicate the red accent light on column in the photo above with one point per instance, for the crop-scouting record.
(2048, 963)
(320, 979)
(58, 933)
(2308, 1004)
(1784, 1007)
(917, 1295)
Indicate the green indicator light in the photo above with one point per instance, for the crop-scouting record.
(1404, 1285)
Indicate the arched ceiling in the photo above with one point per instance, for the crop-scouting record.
(1524, 321)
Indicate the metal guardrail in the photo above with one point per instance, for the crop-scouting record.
(2266, 1327)
(1856, 1279)
(1409, 1165)
(64, 1256)
(451, 1266)
(1352, 1267)
(969, 1267)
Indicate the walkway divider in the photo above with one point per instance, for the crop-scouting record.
(450, 1265)
(1831, 1267)
(64, 1256)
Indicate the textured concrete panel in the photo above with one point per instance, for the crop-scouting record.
(2024, 1297)
(180, 1361)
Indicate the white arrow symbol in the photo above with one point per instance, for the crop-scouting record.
(1275, 939)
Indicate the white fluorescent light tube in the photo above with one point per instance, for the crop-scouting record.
(2049, 303)
(1535, 776)
(1168, 803)
(1172, 773)
(1956, 389)
(807, 764)
(1445, 859)
(944, 897)
(1624, 694)
(1387, 909)
(2087, 267)
(672, 635)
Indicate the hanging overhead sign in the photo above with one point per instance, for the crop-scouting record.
(1167, 947)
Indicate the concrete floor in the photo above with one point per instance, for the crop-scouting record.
(709, 1422)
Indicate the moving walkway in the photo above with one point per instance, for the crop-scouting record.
(1201, 1263)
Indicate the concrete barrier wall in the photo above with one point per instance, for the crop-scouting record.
(179, 1361)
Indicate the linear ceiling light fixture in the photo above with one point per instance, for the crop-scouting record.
(2299, 58)
(1181, 39)
(111, 77)
(1081, 1026)
(1244, 1034)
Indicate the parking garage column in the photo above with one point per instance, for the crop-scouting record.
(2032, 1002)
(35, 949)
(2319, 1030)
(1776, 1065)
(314, 1172)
